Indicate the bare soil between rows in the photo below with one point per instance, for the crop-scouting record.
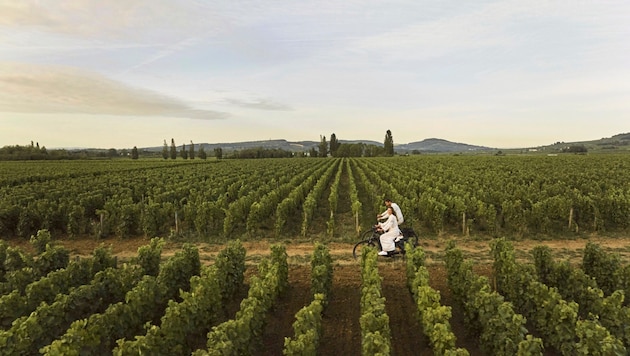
(341, 332)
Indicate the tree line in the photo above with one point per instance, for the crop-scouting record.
(36, 152)
(337, 149)
(333, 148)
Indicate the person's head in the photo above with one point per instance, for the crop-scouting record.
(388, 202)
(391, 211)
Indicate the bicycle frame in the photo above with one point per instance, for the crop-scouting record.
(372, 238)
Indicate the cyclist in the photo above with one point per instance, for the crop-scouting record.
(385, 214)
(399, 215)
(391, 232)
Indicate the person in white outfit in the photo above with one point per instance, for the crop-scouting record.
(390, 232)
(385, 214)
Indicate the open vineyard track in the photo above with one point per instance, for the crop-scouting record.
(299, 250)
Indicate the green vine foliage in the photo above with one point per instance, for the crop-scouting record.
(554, 317)
(307, 329)
(574, 285)
(241, 335)
(568, 195)
(144, 303)
(307, 326)
(185, 322)
(374, 321)
(28, 292)
(30, 333)
(150, 256)
(602, 266)
(501, 330)
(595, 340)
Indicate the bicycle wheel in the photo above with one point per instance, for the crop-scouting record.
(366, 235)
(410, 236)
(360, 246)
(413, 240)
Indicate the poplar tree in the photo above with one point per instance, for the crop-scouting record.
(202, 153)
(389, 144)
(334, 145)
(323, 147)
(191, 150)
(173, 149)
(165, 150)
(184, 152)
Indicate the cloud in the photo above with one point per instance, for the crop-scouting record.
(503, 25)
(29, 88)
(114, 19)
(260, 104)
(167, 51)
(23, 13)
(439, 36)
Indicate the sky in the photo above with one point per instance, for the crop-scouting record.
(124, 73)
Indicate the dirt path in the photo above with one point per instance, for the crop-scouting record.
(341, 332)
(299, 250)
(407, 336)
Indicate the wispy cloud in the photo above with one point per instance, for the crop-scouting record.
(165, 52)
(112, 20)
(41, 48)
(30, 88)
(443, 35)
(23, 13)
(259, 104)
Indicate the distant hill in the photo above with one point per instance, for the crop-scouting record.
(616, 143)
(439, 145)
(620, 142)
(429, 145)
(293, 146)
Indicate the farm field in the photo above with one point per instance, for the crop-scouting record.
(500, 212)
(529, 196)
(340, 326)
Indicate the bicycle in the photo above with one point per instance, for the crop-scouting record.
(372, 238)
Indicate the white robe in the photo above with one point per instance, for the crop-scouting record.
(399, 214)
(390, 226)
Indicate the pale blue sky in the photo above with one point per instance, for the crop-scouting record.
(124, 73)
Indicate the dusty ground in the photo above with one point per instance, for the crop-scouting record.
(341, 329)
(299, 251)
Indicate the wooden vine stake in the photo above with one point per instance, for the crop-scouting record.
(176, 223)
(464, 223)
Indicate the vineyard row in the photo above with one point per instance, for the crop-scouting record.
(108, 307)
(334, 197)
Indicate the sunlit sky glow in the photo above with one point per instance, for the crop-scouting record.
(124, 73)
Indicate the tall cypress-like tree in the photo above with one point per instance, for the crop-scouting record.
(165, 150)
(202, 153)
(173, 149)
(184, 152)
(323, 147)
(389, 144)
(191, 150)
(334, 145)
